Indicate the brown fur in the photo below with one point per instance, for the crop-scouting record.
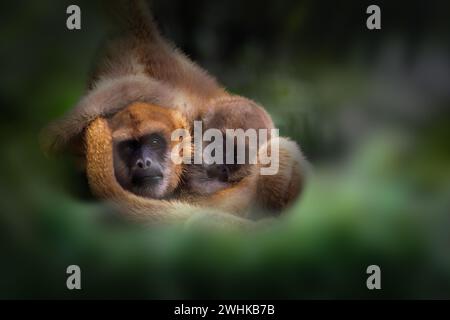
(143, 67)
(279, 191)
(100, 173)
(228, 113)
(140, 119)
(268, 192)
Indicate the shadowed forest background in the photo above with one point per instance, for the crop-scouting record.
(370, 110)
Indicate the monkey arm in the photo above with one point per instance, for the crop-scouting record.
(142, 66)
(105, 99)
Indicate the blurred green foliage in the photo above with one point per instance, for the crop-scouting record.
(369, 109)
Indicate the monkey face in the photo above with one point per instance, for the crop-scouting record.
(245, 114)
(144, 160)
(206, 179)
(142, 146)
(226, 171)
(209, 177)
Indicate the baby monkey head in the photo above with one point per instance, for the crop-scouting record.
(236, 120)
(142, 146)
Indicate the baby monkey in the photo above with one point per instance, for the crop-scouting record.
(227, 113)
(242, 183)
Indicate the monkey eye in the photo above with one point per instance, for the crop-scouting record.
(155, 140)
(129, 146)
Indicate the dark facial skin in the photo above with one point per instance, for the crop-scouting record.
(139, 164)
(207, 179)
(222, 172)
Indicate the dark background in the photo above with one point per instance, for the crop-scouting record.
(370, 110)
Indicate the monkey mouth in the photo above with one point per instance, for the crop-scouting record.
(149, 186)
(148, 179)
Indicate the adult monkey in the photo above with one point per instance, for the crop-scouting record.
(142, 66)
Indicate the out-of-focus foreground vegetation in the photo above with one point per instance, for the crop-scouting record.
(369, 108)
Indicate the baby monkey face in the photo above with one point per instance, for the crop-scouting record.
(220, 172)
(222, 165)
(220, 168)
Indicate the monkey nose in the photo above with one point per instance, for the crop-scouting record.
(145, 171)
(143, 163)
(218, 171)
